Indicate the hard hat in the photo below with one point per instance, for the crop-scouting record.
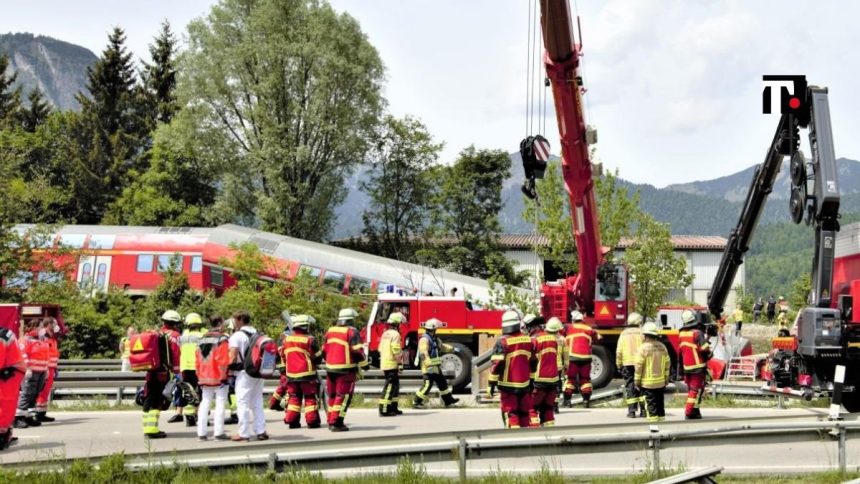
(634, 319)
(576, 316)
(688, 317)
(303, 321)
(396, 318)
(650, 329)
(554, 325)
(432, 324)
(172, 316)
(193, 319)
(345, 315)
(781, 298)
(511, 322)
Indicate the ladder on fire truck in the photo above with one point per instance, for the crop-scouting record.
(742, 368)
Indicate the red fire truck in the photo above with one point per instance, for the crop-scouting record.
(16, 317)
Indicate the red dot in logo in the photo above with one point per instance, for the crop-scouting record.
(794, 103)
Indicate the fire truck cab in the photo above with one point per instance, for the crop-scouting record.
(17, 317)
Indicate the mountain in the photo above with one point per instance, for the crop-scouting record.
(58, 68)
(709, 207)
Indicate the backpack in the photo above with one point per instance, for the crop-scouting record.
(145, 351)
(260, 357)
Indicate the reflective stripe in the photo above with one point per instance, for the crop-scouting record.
(150, 422)
(294, 408)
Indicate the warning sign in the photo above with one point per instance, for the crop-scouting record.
(138, 346)
(604, 311)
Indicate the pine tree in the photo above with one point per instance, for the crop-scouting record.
(159, 77)
(111, 83)
(36, 113)
(10, 98)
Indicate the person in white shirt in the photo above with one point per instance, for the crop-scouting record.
(249, 390)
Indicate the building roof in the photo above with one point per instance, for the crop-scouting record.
(681, 242)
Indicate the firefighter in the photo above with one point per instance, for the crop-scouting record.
(757, 307)
(390, 355)
(695, 352)
(579, 339)
(157, 379)
(53, 365)
(555, 328)
(545, 375)
(301, 353)
(651, 373)
(12, 370)
(36, 353)
(738, 316)
(276, 402)
(430, 350)
(626, 353)
(511, 372)
(188, 344)
(344, 360)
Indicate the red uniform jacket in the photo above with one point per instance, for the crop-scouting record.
(546, 359)
(695, 350)
(579, 340)
(302, 353)
(512, 363)
(343, 350)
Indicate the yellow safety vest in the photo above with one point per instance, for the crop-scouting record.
(126, 348)
(738, 315)
(628, 347)
(652, 366)
(390, 350)
(188, 349)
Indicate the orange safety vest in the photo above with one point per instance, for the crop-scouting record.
(546, 354)
(212, 359)
(343, 349)
(512, 361)
(300, 352)
(693, 352)
(35, 350)
(53, 353)
(579, 341)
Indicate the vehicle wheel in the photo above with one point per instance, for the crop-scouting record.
(460, 364)
(602, 367)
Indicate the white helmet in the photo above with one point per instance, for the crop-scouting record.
(171, 316)
(554, 325)
(634, 319)
(303, 321)
(432, 324)
(576, 316)
(346, 315)
(650, 329)
(511, 322)
(397, 318)
(688, 317)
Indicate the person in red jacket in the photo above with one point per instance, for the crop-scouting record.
(301, 354)
(511, 372)
(53, 364)
(344, 360)
(545, 375)
(695, 353)
(36, 351)
(579, 339)
(157, 379)
(12, 370)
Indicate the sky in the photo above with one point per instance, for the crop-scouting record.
(673, 87)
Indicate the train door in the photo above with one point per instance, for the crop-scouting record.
(94, 273)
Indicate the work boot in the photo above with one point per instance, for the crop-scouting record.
(294, 425)
(177, 417)
(338, 427)
(586, 403)
(693, 417)
(4, 439)
(32, 421)
(43, 417)
(190, 420)
(451, 401)
(418, 404)
(314, 425)
(396, 407)
(20, 422)
(566, 403)
(276, 404)
(156, 435)
(631, 414)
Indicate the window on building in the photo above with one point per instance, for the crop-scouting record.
(359, 285)
(334, 280)
(144, 262)
(197, 264)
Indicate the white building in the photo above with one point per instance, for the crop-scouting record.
(702, 253)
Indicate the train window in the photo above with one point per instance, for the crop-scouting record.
(50, 277)
(173, 261)
(101, 276)
(359, 285)
(104, 242)
(197, 264)
(216, 276)
(334, 280)
(309, 271)
(144, 262)
(86, 273)
(20, 280)
(72, 241)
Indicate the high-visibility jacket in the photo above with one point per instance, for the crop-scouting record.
(390, 350)
(343, 350)
(10, 353)
(53, 353)
(651, 369)
(170, 360)
(430, 350)
(125, 344)
(738, 315)
(695, 350)
(302, 353)
(212, 359)
(512, 363)
(35, 350)
(546, 359)
(188, 343)
(563, 354)
(579, 339)
(628, 346)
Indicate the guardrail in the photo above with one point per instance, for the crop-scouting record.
(702, 476)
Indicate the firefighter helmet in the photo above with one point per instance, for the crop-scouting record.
(530, 320)
(634, 319)
(688, 318)
(432, 324)
(650, 329)
(171, 316)
(396, 318)
(554, 325)
(345, 316)
(193, 320)
(576, 316)
(303, 321)
(511, 322)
